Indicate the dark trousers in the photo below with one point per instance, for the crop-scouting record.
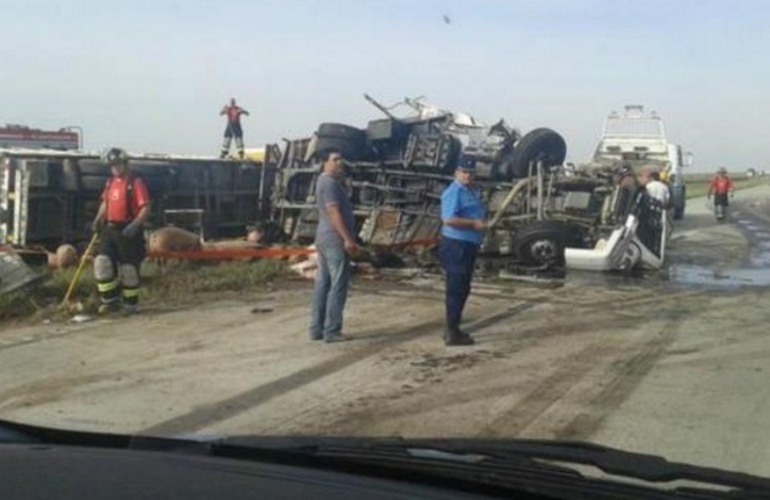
(721, 199)
(233, 130)
(458, 259)
(116, 266)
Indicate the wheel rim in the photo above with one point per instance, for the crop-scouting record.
(543, 251)
(631, 257)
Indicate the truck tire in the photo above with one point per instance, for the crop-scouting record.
(543, 243)
(351, 141)
(679, 205)
(341, 131)
(539, 144)
(350, 150)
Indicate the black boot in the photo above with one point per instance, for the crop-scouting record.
(454, 336)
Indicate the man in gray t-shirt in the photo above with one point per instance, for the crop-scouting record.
(335, 243)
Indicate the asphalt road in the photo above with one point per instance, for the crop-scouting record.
(673, 363)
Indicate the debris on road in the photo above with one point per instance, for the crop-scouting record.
(307, 268)
(14, 273)
(81, 318)
(262, 309)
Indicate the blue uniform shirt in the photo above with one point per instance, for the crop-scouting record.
(458, 201)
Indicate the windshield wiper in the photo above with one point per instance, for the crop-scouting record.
(499, 459)
(535, 465)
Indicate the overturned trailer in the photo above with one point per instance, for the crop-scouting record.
(51, 197)
(397, 168)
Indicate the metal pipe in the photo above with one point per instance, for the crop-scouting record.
(81, 137)
(529, 189)
(262, 187)
(548, 200)
(539, 190)
(380, 107)
(517, 188)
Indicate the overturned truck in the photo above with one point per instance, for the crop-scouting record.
(397, 167)
(50, 197)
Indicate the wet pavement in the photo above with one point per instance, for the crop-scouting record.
(705, 254)
(753, 271)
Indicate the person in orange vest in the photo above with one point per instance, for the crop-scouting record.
(124, 209)
(721, 187)
(233, 129)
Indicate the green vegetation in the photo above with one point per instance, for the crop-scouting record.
(176, 283)
(698, 185)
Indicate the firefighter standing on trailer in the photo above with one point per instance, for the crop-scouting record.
(233, 112)
(125, 207)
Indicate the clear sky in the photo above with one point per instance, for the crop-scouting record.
(152, 75)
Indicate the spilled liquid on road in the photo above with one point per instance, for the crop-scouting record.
(754, 273)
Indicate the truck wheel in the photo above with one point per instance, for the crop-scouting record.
(341, 132)
(630, 258)
(679, 207)
(542, 243)
(349, 140)
(539, 144)
(350, 150)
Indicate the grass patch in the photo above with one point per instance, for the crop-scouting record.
(178, 283)
(192, 278)
(700, 187)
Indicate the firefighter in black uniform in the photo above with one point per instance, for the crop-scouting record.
(124, 208)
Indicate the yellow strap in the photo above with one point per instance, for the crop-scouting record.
(130, 292)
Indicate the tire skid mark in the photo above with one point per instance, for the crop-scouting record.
(629, 372)
(56, 388)
(547, 392)
(103, 323)
(224, 409)
(373, 410)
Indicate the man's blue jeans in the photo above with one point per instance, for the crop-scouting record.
(330, 293)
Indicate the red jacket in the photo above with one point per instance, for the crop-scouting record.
(116, 197)
(721, 185)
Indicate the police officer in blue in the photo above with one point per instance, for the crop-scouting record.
(464, 226)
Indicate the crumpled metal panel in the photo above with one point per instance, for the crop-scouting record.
(15, 274)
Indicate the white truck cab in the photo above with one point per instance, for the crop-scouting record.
(636, 139)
